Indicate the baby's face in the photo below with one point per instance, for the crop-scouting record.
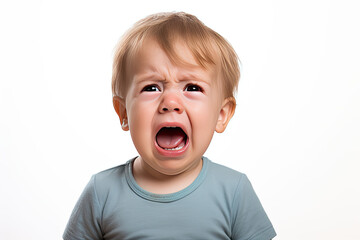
(172, 111)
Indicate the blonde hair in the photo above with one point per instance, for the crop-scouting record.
(207, 47)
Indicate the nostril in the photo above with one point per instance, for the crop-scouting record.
(171, 109)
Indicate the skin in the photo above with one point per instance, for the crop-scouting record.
(163, 93)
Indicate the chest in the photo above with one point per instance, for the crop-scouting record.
(197, 216)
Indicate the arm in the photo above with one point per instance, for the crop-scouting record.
(84, 222)
(249, 220)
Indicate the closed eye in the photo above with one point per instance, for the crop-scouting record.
(193, 88)
(151, 88)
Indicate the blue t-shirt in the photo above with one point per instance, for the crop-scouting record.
(219, 204)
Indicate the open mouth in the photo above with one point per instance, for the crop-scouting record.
(171, 138)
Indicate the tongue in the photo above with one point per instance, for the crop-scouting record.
(170, 137)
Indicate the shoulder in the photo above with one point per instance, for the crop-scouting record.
(109, 181)
(224, 179)
(111, 174)
(221, 169)
(224, 174)
(248, 218)
(231, 181)
(86, 218)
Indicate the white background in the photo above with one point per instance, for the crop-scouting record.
(295, 133)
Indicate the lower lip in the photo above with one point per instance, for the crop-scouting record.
(172, 153)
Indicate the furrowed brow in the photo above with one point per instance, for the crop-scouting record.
(148, 77)
(194, 77)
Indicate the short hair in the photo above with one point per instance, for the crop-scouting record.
(207, 46)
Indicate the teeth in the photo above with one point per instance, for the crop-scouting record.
(177, 148)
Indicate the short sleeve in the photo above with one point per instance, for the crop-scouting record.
(249, 220)
(84, 222)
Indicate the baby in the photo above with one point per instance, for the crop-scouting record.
(173, 84)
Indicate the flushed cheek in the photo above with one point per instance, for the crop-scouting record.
(194, 107)
(140, 120)
(140, 110)
(203, 132)
(203, 127)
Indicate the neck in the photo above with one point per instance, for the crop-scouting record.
(157, 182)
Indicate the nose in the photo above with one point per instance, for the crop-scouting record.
(171, 102)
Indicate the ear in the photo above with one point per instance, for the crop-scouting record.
(226, 112)
(120, 108)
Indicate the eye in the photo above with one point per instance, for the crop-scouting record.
(151, 88)
(193, 88)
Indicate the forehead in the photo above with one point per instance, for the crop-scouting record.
(151, 56)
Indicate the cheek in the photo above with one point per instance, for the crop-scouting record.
(203, 120)
(195, 104)
(140, 119)
(141, 109)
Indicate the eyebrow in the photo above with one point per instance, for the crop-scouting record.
(148, 77)
(153, 76)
